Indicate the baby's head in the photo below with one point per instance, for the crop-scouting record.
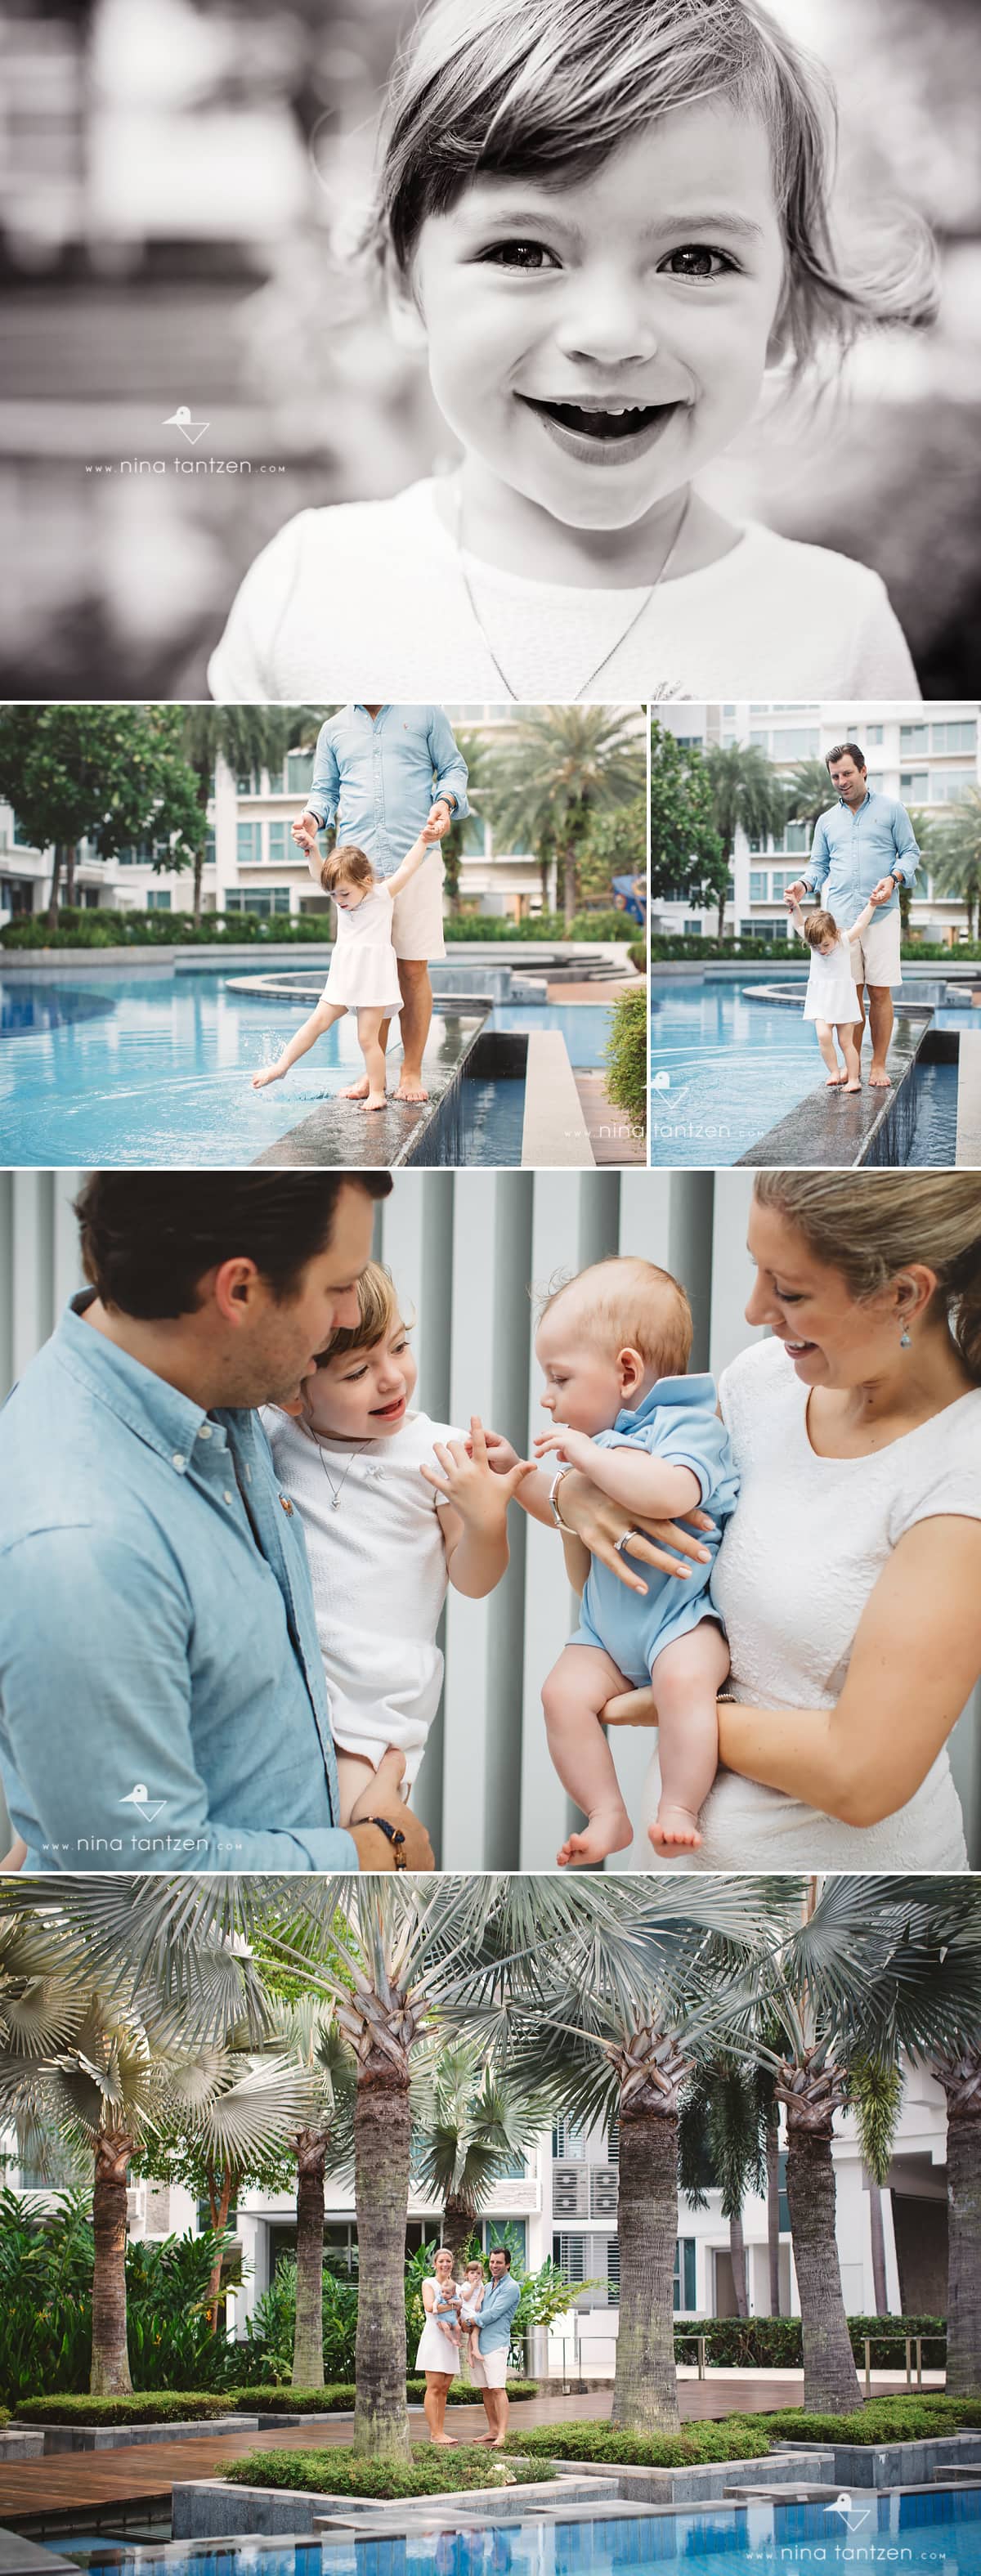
(366, 1373)
(821, 932)
(603, 220)
(605, 1338)
(348, 875)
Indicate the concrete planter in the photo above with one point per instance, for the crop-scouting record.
(207, 2509)
(889, 2464)
(706, 2484)
(21, 2442)
(121, 2437)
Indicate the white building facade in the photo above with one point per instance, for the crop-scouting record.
(926, 756)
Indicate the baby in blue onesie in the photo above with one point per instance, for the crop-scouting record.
(614, 1345)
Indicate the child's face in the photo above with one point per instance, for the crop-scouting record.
(827, 946)
(582, 1383)
(653, 283)
(364, 1395)
(347, 897)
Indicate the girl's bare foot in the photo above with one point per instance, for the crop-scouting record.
(674, 1828)
(376, 1100)
(853, 1086)
(356, 1090)
(273, 1073)
(833, 1080)
(609, 1830)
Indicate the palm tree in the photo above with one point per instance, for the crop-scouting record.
(471, 2123)
(246, 739)
(807, 792)
(474, 750)
(308, 2031)
(565, 764)
(722, 2147)
(954, 854)
(745, 793)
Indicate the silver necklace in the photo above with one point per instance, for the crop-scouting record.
(335, 1490)
(621, 639)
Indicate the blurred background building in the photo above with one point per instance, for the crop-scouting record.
(929, 757)
(464, 1247)
(183, 186)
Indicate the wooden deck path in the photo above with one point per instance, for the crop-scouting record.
(87, 2482)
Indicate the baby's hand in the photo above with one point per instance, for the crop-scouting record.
(464, 1477)
(271, 1073)
(573, 1446)
(501, 1457)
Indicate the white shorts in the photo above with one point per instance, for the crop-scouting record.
(875, 957)
(490, 2369)
(417, 913)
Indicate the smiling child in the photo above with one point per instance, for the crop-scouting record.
(603, 223)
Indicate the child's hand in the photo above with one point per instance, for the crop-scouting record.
(881, 893)
(573, 1446)
(270, 1073)
(305, 834)
(790, 901)
(501, 1457)
(465, 1479)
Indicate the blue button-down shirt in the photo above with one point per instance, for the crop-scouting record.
(495, 2315)
(162, 1696)
(851, 850)
(381, 776)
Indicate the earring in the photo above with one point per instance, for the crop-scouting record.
(904, 1340)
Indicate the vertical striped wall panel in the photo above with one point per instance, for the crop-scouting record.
(464, 1248)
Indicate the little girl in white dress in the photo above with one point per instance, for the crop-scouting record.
(832, 994)
(363, 969)
(394, 1507)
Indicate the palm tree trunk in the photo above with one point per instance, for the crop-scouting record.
(198, 868)
(645, 2394)
(964, 2245)
(773, 2212)
(878, 2236)
(737, 2257)
(457, 2229)
(381, 2152)
(830, 2377)
(308, 2338)
(568, 885)
(724, 894)
(56, 867)
(110, 2357)
(219, 2204)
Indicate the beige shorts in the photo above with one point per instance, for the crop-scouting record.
(490, 2369)
(417, 914)
(875, 957)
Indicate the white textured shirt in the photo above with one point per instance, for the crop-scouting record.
(369, 596)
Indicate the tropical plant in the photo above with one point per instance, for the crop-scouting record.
(626, 1057)
(807, 793)
(686, 851)
(954, 854)
(565, 765)
(106, 774)
(471, 2122)
(746, 794)
(722, 2147)
(246, 739)
(474, 749)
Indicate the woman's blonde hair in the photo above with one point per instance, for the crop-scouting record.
(531, 88)
(346, 866)
(378, 1311)
(871, 1225)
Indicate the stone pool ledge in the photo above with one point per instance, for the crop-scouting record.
(338, 1135)
(210, 2509)
(831, 1129)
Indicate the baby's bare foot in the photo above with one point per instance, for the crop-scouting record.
(674, 1828)
(609, 1830)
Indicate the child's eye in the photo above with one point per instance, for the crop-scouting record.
(696, 259)
(353, 1376)
(531, 256)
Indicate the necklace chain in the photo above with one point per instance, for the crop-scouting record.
(335, 1490)
(633, 621)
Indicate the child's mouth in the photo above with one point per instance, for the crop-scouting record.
(388, 1412)
(610, 432)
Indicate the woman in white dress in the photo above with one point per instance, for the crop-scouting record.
(437, 2355)
(849, 1576)
(363, 974)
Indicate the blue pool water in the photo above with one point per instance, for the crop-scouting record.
(724, 1070)
(927, 2534)
(156, 1069)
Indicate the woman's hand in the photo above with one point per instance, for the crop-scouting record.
(631, 1708)
(661, 1544)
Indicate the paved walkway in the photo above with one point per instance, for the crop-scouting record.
(612, 1138)
(85, 2481)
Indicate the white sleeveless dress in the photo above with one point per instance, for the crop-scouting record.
(363, 973)
(436, 2352)
(832, 993)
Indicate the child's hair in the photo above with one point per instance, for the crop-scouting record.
(819, 926)
(378, 1310)
(475, 2265)
(346, 866)
(625, 1302)
(532, 88)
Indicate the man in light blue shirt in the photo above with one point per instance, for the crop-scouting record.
(162, 1694)
(494, 2344)
(383, 772)
(864, 845)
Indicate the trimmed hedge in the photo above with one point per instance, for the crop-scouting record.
(774, 2343)
(169, 2406)
(626, 1057)
(881, 2419)
(681, 943)
(109, 928)
(734, 2439)
(343, 2471)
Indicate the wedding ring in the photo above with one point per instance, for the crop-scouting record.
(620, 1545)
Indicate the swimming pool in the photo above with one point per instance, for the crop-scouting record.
(157, 1069)
(926, 2532)
(724, 1070)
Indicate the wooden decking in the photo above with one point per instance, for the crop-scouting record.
(86, 2484)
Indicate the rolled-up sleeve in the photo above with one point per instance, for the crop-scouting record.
(325, 786)
(448, 762)
(820, 858)
(95, 1704)
(906, 846)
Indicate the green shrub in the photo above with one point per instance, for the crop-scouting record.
(626, 1057)
(750, 2343)
(637, 954)
(690, 944)
(169, 2406)
(343, 2471)
(735, 2439)
(882, 2419)
(337, 2397)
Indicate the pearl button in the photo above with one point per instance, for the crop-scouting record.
(205, 1431)
(178, 1459)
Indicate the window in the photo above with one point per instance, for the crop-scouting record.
(506, 2231)
(569, 2252)
(613, 2271)
(248, 844)
(568, 2141)
(912, 737)
(800, 742)
(761, 740)
(947, 786)
(797, 836)
(782, 878)
(873, 734)
(953, 737)
(513, 2171)
(914, 785)
(264, 901)
(299, 772)
(341, 2245)
(158, 899)
(690, 741)
(684, 2272)
(758, 885)
(613, 2143)
(209, 849)
(694, 926)
(278, 851)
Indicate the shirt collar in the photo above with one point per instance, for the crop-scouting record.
(697, 1389)
(361, 710)
(857, 809)
(158, 1414)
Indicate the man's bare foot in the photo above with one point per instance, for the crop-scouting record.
(273, 1073)
(674, 1828)
(356, 1090)
(411, 1087)
(609, 1830)
(879, 1079)
(833, 1080)
(445, 2442)
(376, 1100)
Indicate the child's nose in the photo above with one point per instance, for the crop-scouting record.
(607, 318)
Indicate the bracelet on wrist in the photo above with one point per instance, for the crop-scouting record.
(394, 1835)
(560, 1524)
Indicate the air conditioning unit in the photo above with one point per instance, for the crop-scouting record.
(603, 2191)
(569, 2190)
